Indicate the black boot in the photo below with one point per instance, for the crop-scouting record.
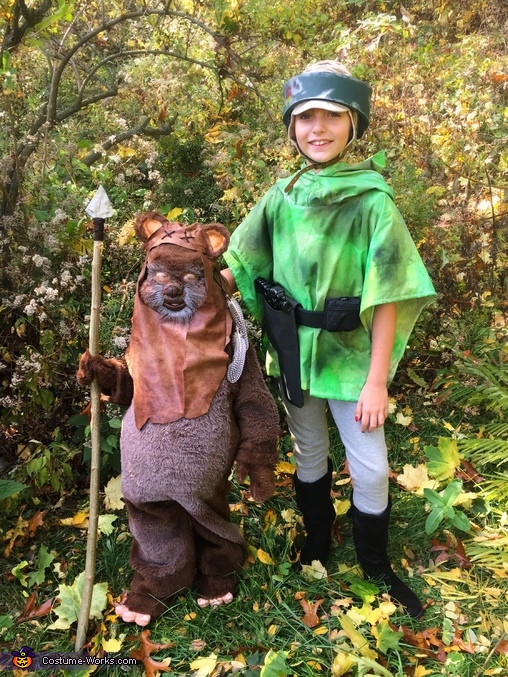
(315, 503)
(370, 536)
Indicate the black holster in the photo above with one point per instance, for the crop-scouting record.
(282, 331)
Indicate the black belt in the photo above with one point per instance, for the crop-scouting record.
(340, 314)
(310, 318)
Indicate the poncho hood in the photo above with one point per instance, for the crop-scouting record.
(336, 183)
(177, 368)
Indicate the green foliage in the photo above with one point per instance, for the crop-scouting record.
(442, 508)
(10, 488)
(38, 576)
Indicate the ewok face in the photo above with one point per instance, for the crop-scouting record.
(175, 285)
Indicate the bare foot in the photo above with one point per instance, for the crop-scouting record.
(132, 616)
(216, 601)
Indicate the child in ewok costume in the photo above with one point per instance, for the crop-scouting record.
(188, 422)
(332, 231)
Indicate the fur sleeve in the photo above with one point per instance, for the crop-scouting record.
(256, 415)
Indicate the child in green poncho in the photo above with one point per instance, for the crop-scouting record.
(328, 233)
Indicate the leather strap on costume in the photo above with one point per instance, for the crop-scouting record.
(177, 368)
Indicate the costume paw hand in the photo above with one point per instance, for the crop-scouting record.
(262, 482)
(91, 366)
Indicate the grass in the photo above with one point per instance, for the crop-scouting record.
(467, 610)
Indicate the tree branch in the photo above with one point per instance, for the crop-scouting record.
(15, 32)
(140, 129)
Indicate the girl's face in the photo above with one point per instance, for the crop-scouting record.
(321, 134)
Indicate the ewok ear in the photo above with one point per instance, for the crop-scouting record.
(147, 223)
(216, 239)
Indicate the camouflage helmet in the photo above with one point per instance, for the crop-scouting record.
(331, 87)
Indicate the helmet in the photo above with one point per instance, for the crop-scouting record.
(326, 86)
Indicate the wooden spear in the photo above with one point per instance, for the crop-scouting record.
(99, 209)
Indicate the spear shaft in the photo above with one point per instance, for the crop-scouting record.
(95, 438)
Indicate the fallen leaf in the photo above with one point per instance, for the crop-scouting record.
(79, 520)
(204, 666)
(29, 607)
(310, 617)
(356, 637)
(315, 570)
(70, 597)
(113, 494)
(30, 611)
(284, 467)
(386, 637)
(275, 664)
(502, 646)
(264, 557)
(13, 534)
(105, 524)
(112, 645)
(342, 664)
(469, 473)
(400, 419)
(443, 459)
(36, 521)
(152, 667)
(416, 479)
(269, 520)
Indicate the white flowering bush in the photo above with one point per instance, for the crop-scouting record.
(44, 313)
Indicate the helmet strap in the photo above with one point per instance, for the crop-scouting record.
(315, 165)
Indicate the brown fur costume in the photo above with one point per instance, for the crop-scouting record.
(187, 423)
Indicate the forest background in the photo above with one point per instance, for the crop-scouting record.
(176, 106)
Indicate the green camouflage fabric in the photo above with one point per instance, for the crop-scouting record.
(335, 233)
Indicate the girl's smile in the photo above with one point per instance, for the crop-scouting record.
(322, 135)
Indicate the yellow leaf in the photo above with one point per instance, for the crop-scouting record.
(322, 630)
(264, 557)
(272, 629)
(341, 507)
(113, 494)
(314, 665)
(190, 617)
(80, 520)
(174, 213)
(285, 467)
(204, 666)
(126, 234)
(270, 519)
(112, 645)
(421, 671)
(357, 639)
(416, 479)
(314, 570)
(403, 420)
(342, 664)
(230, 195)
(125, 151)
(288, 515)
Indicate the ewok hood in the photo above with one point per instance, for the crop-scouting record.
(177, 368)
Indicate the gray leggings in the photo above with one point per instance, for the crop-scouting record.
(366, 452)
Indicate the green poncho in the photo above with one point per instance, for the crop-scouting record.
(335, 233)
